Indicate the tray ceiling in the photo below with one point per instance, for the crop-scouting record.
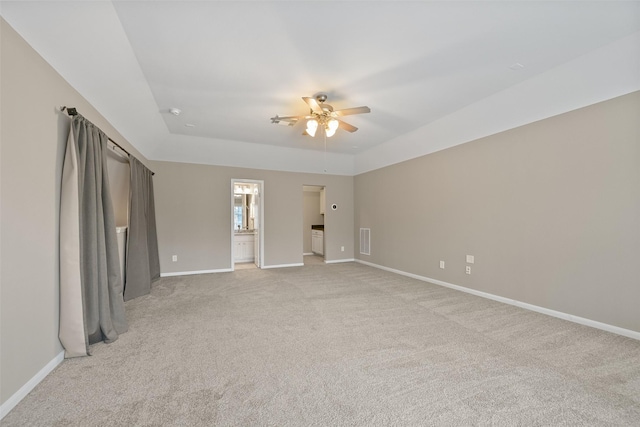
(230, 66)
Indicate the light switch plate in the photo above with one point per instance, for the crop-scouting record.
(470, 259)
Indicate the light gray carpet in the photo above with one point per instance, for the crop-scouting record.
(338, 345)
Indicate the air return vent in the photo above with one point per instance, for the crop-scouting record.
(365, 241)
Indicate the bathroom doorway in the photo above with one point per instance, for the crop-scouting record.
(247, 224)
(313, 233)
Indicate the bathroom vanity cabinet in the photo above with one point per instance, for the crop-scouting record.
(243, 247)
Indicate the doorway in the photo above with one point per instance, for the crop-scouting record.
(247, 224)
(313, 223)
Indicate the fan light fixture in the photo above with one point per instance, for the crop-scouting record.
(331, 128)
(322, 115)
(312, 126)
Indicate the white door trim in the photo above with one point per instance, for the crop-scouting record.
(261, 222)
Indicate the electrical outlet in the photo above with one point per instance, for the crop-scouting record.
(442, 265)
(342, 248)
(470, 259)
(468, 270)
(174, 258)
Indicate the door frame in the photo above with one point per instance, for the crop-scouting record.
(320, 188)
(261, 222)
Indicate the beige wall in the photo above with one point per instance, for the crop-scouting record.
(551, 212)
(310, 216)
(32, 137)
(193, 208)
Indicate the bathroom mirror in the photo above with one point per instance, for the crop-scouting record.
(243, 212)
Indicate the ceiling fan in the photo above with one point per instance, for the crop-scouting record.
(322, 116)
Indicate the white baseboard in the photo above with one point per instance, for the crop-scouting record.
(224, 270)
(283, 265)
(565, 316)
(188, 273)
(30, 385)
(307, 253)
(336, 261)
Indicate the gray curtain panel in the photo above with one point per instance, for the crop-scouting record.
(143, 262)
(91, 293)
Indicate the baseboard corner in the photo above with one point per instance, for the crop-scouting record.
(11, 402)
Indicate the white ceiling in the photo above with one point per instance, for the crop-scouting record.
(231, 65)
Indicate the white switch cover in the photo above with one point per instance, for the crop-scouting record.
(442, 265)
(174, 258)
(468, 270)
(342, 248)
(470, 259)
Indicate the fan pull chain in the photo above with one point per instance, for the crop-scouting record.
(325, 151)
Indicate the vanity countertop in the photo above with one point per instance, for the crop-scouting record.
(243, 232)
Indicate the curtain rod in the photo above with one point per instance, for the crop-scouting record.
(73, 112)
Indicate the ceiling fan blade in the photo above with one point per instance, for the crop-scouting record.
(313, 104)
(356, 110)
(287, 120)
(346, 126)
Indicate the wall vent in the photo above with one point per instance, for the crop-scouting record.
(365, 241)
